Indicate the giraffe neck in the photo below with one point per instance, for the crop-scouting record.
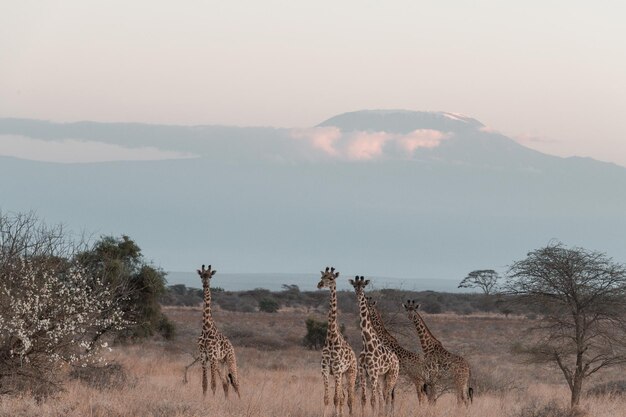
(207, 318)
(368, 333)
(333, 329)
(429, 342)
(381, 331)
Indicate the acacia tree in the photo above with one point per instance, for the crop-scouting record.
(582, 297)
(485, 279)
(50, 308)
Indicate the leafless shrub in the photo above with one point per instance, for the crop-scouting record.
(551, 409)
(492, 382)
(264, 342)
(612, 388)
(235, 302)
(109, 376)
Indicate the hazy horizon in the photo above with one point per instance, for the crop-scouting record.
(396, 194)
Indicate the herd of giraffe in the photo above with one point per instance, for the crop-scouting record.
(381, 361)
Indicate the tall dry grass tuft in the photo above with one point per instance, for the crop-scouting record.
(287, 381)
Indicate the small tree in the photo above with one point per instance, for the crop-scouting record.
(51, 309)
(485, 279)
(268, 305)
(119, 264)
(582, 297)
(316, 333)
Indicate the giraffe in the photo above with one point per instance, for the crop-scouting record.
(411, 363)
(376, 360)
(440, 364)
(338, 358)
(216, 350)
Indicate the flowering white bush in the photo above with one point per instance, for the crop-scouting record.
(51, 314)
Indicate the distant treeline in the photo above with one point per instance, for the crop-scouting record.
(388, 299)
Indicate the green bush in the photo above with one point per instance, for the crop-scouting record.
(134, 283)
(315, 334)
(269, 305)
(166, 328)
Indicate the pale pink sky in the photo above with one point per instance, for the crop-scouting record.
(550, 73)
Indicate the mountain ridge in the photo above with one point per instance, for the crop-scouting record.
(198, 138)
(260, 200)
(401, 121)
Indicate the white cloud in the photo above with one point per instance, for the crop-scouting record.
(366, 145)
(421, 138)
(322, 138)
(79, 151)
(362, 145)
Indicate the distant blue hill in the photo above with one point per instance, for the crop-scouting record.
(306, 282)
(258, 200)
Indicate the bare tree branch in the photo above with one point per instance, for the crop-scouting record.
(582, 297)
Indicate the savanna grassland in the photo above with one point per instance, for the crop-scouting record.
(279, 377)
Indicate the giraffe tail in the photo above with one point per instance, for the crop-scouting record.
(233, 377)
(470, 390)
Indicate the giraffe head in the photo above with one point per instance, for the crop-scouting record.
(206, 274)
(328, 279)
(371, 306)
(359, 283)
(411, 307)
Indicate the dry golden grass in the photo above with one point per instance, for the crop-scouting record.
(283, 379)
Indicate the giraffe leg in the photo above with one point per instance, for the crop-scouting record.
(233, 375)
(431, 385)
(431, 389)
(204, 375)
(223, 373)
(373, 390)
(419, 388)
(385, 393)
(363, 380)
(338, 399)
(351, 379)
(391, 378)
(460, 398)
(214, 373)
(462, 391)
(325, 377)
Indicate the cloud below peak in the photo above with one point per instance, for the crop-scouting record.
(365, 145)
